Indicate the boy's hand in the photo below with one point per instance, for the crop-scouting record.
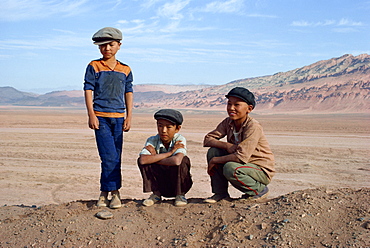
(126, 125)
(151, 149)
(231, 148)
(211, 167)
(177, 145)
(93, 122)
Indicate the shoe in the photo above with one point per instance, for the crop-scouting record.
(261, 195)
(102, 202)
(115, 202)
(216, 197)
(180, 201)
(151, 200)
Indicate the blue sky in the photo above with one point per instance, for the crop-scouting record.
(45, 45)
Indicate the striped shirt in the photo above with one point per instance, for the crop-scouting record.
(109, 86)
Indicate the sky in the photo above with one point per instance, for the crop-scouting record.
(45, 45)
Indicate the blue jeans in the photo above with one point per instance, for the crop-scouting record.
(109, 140)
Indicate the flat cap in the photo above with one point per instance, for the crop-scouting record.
(243, 94)
(171, 115)
(106, 35)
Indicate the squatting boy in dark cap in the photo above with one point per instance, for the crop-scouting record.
(163, 163)
(245, 159)
(109, 99)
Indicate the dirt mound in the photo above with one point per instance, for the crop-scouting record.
(309, 218)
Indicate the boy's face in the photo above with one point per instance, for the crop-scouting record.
(109, 50)
(237, 109)
(167, 130)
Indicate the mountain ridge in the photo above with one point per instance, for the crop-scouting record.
(333, 85)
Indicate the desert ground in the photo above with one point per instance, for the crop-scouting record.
(49, 170)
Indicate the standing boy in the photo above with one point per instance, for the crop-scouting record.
(245, 159)
(163, 163)
(109, 100)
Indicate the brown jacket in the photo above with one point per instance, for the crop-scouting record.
(252, 147)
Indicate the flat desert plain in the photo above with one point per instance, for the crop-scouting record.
(48, 157)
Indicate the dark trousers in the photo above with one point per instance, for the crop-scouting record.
(168, 180)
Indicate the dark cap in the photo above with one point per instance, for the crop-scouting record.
(243, 94)
(171, 115)
(106, 35)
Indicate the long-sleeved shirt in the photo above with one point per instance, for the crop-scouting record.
(252, 145)
(109, 86)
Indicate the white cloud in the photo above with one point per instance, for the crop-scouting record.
(342, 22)
(172, 10)
(345, 30)
(57, 42)
(65, 31)
(137, 26)
(312, 24)
(149, 3)
(262, 16)
(11, 10)
(231, 6)
(123, 22)
(167, 20)
(347, 22)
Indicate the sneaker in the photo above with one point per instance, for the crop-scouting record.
(102, 202)
(115, 202)
(180, 201)
(261, 195)
(216, 197)
(151, 200)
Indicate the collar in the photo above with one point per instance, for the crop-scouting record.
(232, 126)
(105, 64)
(161, 145)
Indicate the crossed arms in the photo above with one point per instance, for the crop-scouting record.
(166, 158)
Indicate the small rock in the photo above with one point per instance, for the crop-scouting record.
(105, 214)
(263, 226)
(250, 237)
(275, 237)
(367, 225)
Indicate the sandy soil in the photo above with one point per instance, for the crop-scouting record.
(50, 181)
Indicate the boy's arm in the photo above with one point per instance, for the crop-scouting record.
(163, 158)
(231, 148)
(93, 120)
(174, 160)
(221, 160)
(129, 99)
(212, 139)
